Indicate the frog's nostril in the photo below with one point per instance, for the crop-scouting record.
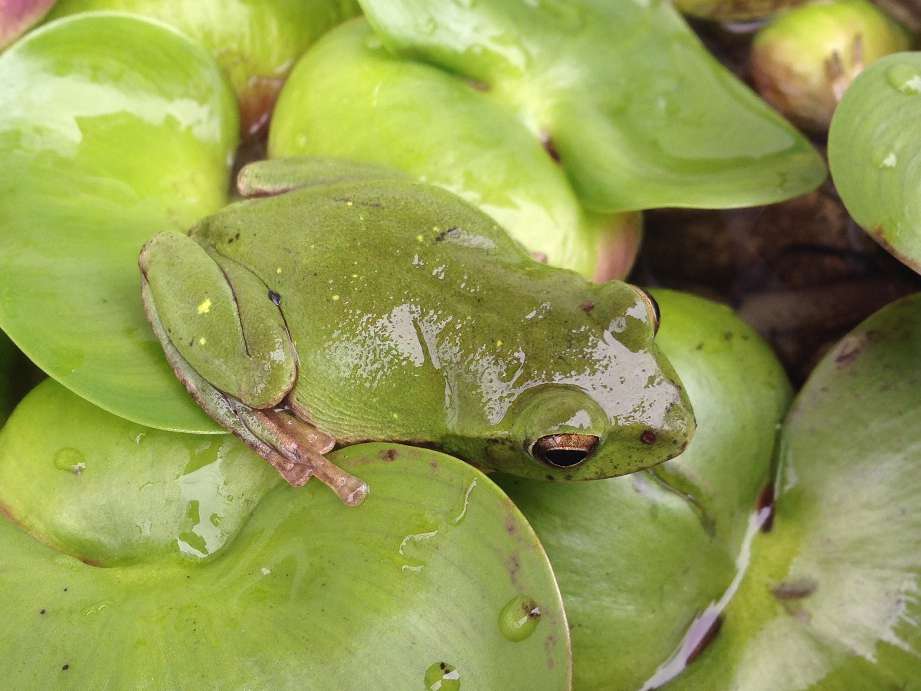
(564, 450)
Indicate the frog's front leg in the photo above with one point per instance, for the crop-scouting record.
(227, 341)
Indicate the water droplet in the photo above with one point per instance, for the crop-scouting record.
(885, 158)
(519, 618)
(70, 461)
(410, 548)
(905, 78)
(462, 514)
(441, 676)
(95, 608)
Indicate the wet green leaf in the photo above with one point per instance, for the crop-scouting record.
(641, 115)
(830, 601)
(219, 577)
(638, 558)
(255, 41)
(874, 148)
(112, 128)
(350, 98)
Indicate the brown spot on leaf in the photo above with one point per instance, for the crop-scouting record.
(796, 589)
(513, 566)
(549, 645)
(850, 348)
(388, 455)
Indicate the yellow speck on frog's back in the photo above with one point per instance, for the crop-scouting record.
(204, 306)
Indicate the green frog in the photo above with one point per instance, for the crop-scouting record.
(341, 303)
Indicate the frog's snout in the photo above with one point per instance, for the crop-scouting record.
(564, 450)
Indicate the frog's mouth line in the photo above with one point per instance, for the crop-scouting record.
(564, 450)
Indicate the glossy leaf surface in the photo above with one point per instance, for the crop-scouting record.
(831, 598)
(639, 558)
(874, 148)
(641, 115)
(112, 128)
(350, 98)
(217, 576)
(255, 41)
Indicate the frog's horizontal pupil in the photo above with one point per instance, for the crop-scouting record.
(564, 450)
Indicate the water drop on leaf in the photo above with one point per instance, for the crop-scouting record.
(519, 618)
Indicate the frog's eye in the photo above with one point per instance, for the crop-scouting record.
(652, 308)
(564, 450)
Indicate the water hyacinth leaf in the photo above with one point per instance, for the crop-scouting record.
(112, 128)
(805, 60)
(874, 148)
(349, 97)
(255, 41)
(639, 558)
(17, 16)
(830, 601)
(640, 114)
(435, 576)
(113, 492)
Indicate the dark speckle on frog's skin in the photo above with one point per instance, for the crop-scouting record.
(274, 297)
(446, 234)
(648, 437)
(389, 455)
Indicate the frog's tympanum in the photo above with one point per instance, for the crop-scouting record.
(346, 303)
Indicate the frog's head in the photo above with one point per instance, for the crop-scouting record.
(606, 403)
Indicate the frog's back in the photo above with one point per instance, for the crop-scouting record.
(404, 303)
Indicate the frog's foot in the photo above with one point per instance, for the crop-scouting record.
(303, 445)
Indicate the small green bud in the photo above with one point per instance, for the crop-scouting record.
(805, 60)
(733, 10)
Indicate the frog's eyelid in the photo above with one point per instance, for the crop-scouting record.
(652, 307)
(269, 292)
